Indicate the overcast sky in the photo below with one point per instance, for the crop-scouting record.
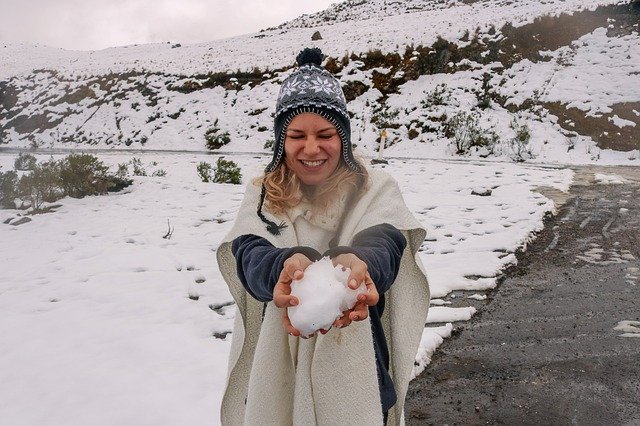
(96, 24)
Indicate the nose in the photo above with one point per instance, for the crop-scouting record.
(311, 146)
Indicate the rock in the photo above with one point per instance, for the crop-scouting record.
(482, 192)
(21, 221)
(316, 36)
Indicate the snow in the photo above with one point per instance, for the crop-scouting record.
(581, 74)
(621, 122)
(103, 321)
(438, 314)
(323, 295)
(110, 312)
(629, 328)
(478, 296)
(605, 178)
(432, 337)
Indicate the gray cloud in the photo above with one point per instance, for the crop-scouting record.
(96, 24)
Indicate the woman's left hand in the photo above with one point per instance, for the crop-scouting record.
(359, 274)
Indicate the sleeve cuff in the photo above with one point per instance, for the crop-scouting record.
(338, 250)
(313, 254)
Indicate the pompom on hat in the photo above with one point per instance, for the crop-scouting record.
(311, 88)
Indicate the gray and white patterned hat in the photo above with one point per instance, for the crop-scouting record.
(311, 88)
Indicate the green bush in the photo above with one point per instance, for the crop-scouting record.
(441, 95)
(226, 171)
(484, 97)
(138, 169)
(159, 173)
(385, 118)
(215, 139)
(123, 170)
(8, 184)
(83, 174)
(43, 184)
(204, 171)
(465, 130)
(519, 144)
(25, 162)
(76, 175)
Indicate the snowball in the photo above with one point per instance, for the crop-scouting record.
(323, 294)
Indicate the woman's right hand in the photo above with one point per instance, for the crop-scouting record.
(293, 269)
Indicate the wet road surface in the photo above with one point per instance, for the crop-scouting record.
(545, 349)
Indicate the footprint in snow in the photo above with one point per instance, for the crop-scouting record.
(222, 335)
(219, 308)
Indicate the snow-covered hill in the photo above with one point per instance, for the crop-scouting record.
(565, 71)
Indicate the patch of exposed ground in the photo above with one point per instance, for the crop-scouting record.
(603, 129)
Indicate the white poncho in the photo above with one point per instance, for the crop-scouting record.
(272, 380)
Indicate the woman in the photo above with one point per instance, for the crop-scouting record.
(315, 199)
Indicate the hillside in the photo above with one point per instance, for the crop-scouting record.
(552, 81)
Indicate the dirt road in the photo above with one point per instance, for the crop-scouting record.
(545, 349)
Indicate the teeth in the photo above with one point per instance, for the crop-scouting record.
(312, 163)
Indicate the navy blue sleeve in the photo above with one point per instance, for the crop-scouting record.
(381, 248)
(259, 263)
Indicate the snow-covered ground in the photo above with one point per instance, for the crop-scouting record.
(103, 321)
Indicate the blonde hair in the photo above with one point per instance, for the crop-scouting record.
(283, 189)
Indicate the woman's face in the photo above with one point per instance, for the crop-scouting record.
(312, 148)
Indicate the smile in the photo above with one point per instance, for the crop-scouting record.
(313, 163)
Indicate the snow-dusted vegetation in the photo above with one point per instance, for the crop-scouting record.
(112, 309)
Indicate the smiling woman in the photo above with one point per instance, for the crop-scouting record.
(317, 200)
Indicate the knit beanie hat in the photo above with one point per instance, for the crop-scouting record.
(311, 88)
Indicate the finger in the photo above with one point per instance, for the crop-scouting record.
(360, 311)
(291, 266)
(358, 274)
(343, 321)
(298, 274)
(304, 262)
(285, 300)
(293, 269)
(295, 266)
(370, 298)
(281, 292)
